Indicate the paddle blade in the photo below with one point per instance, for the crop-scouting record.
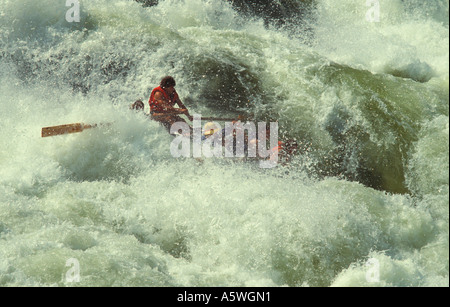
(64, 129)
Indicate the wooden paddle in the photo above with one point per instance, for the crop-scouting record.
(79, 127)
(240, 118)
(191, 118)
(69, 128)
(216, 119)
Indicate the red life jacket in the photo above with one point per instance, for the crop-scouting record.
(278, 148)
(155, 107)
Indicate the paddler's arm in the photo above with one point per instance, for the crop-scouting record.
(183, 107)
(161, 100)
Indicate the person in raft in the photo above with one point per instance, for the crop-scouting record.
(138, 105)
(285, 150)
(162, 101)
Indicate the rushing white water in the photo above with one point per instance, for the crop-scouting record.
(365, 204)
